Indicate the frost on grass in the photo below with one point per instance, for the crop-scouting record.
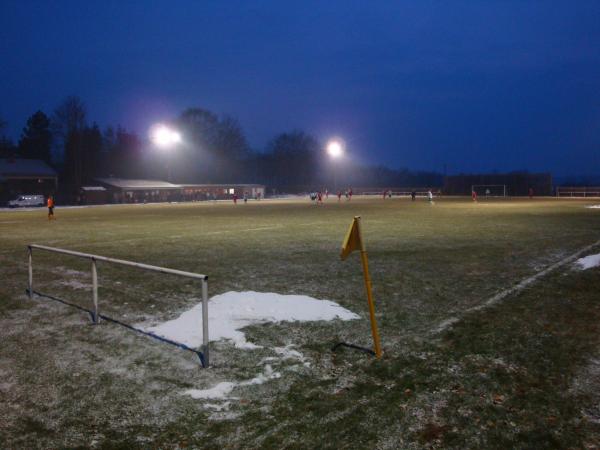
(586, 385)
(229, 313)
(75, 284)
(588, 262)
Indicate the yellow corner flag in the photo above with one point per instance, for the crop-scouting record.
(353, 241)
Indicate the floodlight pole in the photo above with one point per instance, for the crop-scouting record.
(169, 169)
(334, 177)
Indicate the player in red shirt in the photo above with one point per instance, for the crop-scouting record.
(339, 194)
(474, 195)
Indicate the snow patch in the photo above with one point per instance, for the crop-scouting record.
(588, 262)
(230, 312)
(223, 389)
(593, 206)
(288, 353)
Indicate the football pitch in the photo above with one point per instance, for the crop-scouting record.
(468, 361)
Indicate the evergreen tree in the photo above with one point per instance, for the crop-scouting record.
(36, 139)
(69, 121)
(7, 148)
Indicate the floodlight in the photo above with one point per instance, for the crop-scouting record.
(164, 136)
(335, 149)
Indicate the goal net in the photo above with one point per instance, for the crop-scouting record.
(489, 190)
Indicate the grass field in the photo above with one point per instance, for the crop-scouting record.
(523, 372)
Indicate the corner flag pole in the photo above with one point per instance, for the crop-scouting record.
(354, 241)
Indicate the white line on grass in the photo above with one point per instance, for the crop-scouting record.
(443, 326)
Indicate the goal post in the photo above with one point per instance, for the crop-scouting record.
(204, 354)
(489, 190)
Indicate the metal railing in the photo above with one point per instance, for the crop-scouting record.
(95, 258)
(578, 191)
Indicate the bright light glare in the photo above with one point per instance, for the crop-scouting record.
(164, 136)
(334, 148)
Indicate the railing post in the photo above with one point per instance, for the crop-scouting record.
(95, 290)
(205, 350)
(30, 284)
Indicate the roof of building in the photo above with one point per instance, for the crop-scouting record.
(17, 167)
(93, 188)
(139, 185)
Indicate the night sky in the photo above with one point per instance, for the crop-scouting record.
(475, 85)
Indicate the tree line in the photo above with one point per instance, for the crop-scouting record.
(214, 149)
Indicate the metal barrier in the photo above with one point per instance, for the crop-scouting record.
(578, 191)
(95, 258)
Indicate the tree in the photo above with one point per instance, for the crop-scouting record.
(36, 139)
(7, 148)
(69, 121)
(215, 147)
(295, 158)
(92, 152)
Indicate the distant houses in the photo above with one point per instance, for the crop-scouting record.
(26, 176)
(32, 176)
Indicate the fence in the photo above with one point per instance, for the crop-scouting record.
(204, 355)
(579, 191)
(403, 193)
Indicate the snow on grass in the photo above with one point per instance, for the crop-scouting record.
(229, 313)
(593, 206)
(223, 389)
(588, 262)
(219, 391)
(75, 284)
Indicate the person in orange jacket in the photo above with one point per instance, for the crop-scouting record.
(50, 204)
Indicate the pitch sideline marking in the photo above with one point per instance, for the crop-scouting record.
(443, 326)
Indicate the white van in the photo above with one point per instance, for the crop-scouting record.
(27, 200)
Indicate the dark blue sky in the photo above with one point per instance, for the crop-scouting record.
(476, 85)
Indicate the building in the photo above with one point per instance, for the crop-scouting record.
(193, 192)
(122, 190)
(119, 190)
(93, 195)
(26, 176)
